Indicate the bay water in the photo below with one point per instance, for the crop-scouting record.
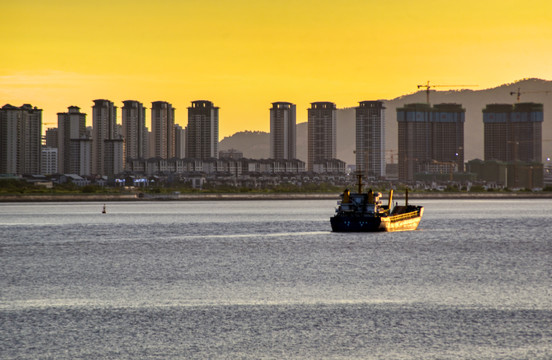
(269, 280)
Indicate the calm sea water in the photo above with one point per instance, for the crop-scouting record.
(268, 279)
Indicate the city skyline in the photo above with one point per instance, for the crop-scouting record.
(431, 141)
(257, 53)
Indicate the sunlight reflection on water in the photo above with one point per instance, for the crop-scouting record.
(268, 279)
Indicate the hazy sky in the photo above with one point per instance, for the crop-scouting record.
(244, 55)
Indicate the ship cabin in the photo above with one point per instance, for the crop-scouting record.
(368, 204)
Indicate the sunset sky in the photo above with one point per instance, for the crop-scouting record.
(244, 55)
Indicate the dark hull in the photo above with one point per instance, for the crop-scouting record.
(355, 224)
(344, 223)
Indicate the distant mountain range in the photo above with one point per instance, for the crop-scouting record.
(256, 145)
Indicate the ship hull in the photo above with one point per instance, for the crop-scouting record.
(344, 223)
(401, 225)
(355, 224)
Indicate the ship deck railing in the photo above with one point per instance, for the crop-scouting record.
(404, 216)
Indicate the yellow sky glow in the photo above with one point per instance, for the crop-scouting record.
(243, 55)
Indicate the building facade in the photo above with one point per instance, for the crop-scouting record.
(321, 133)
(283, 137)
(330, 166)
(49, 162)
(104, 129)
(20, 140)
(162, 128)
(113, 164)
(431, 140)
(230, 154)
(370, 139)
(414, 143)
(71, 128)
(180, 141)
(134, 130)
(497, 132)
(81, 159)
(513, 132)
(51, 137)
(516, 175)
(10, 119)
(447, 135)
(202, 131)
(226, 165)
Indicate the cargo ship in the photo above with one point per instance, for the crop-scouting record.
(365, 212)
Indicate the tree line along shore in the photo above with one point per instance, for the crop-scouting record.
(22, 191)
(259, 196)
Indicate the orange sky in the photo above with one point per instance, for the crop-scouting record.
(243, 55)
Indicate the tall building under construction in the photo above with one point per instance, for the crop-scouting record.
(513, 132)
(431, 139)
(447, 138)
(370, 139)
(283, 135)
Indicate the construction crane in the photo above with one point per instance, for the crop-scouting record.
(428, 87)
(519, 92)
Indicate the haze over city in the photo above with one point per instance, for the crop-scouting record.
(245, 55)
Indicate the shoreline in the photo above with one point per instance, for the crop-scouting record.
(232, 196)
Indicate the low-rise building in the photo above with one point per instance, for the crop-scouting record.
(512, 175)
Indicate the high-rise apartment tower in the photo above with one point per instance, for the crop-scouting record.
(20, 140)
(321, 133)
(283, 136)
(180, 141)
(134, 130)
(370, 138)
(105, 136)
(202, 131)
(162, 128)
(71, 128)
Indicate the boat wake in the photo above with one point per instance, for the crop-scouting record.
(254, 235)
